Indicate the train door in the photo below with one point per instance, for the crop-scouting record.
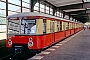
(52, 30)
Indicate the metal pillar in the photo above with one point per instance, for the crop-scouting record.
(49, 10)
(39, 6)
(32, 7)
(6, 8)
(53, 11)
(45, 7)
(21, 6)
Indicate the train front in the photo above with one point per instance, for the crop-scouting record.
(20, 34)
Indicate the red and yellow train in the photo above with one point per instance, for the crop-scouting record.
(37, 31)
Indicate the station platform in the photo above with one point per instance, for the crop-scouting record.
(76, 47)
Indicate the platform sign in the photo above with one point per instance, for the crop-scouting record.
(30, 21)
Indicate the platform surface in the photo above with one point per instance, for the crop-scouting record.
(76, 47)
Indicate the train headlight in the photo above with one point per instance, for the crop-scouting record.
(30, 43)
(10, 41)
(30, 39)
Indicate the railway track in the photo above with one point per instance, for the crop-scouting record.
(16, 56)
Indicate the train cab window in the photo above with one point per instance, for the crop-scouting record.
(28, 26)
(60, 26)
(13, 27)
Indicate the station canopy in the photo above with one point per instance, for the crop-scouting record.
(78, 9)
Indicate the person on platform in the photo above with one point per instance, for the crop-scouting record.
(85, 27)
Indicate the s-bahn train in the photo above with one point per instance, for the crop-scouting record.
(36, 31)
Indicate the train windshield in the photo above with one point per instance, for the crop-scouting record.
(13, 26)
(28, 26)
(25, 26)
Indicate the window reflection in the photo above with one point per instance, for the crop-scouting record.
(17, 2)
(3, 0)
(2, 20)
(47, 10)
(51, 11)
(12, 12)
(26, 0)
(2, 13)
(2, 5)
(60, 14)
(36, 7)
(25, 4)
(25, 10)
(13, 7)
(41, 8)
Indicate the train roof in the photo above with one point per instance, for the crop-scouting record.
(35, 14)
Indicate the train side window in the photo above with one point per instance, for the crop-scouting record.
(64, 26)
(55, 26)
(72, 25)
(60, 26)
(51, 26)
(67, 25)
(44, 25)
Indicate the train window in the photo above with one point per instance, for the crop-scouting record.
(67, 25)
(70, 25)
(28, 26)
(51, 26)
(44, 25)
(73, 25)
(60, 26)
(63, 26)
(13, 26)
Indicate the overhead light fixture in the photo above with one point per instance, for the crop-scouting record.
(88, 8)
(86, 0)
(73, 14)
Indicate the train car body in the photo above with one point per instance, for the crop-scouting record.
(37, 31)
